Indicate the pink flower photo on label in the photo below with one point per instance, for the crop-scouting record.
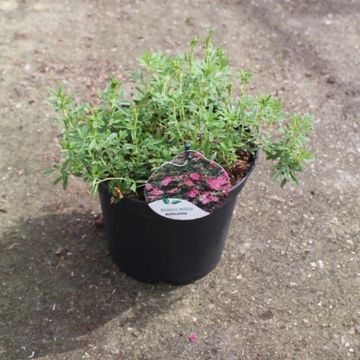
(204, 199)
(193, 193)
(167, 181)
(188, 182)
(207, 197)
(195, 176)
(156, 192)
(219, 183)
(214, 184)
(173, 191)
(198, 180)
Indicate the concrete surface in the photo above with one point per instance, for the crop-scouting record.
(288, 285)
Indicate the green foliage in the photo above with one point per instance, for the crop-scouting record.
(178, 100)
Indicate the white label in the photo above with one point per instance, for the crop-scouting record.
(177, 209)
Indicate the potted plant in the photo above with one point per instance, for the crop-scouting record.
(117, 143)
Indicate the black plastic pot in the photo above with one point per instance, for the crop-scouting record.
(151, 248)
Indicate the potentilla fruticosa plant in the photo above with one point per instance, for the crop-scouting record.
(177, 100)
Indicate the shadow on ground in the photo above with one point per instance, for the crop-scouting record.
(59, 285)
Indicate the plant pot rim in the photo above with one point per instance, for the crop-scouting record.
(233, 188)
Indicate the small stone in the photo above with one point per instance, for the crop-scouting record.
(267, 315)
(350, 242)
(321, 264)
(331, 80)
(313, 264)
(62, 252)
(277, 198)
(59, 251)
(244, 247)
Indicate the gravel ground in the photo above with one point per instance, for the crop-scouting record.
(288, 285)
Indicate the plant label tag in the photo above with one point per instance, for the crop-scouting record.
(187, 188)
(177, 209)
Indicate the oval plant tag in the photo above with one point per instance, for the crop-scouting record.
(187, 189)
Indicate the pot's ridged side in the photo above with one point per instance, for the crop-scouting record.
(152, 249)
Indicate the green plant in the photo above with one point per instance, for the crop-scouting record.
(178, 99)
